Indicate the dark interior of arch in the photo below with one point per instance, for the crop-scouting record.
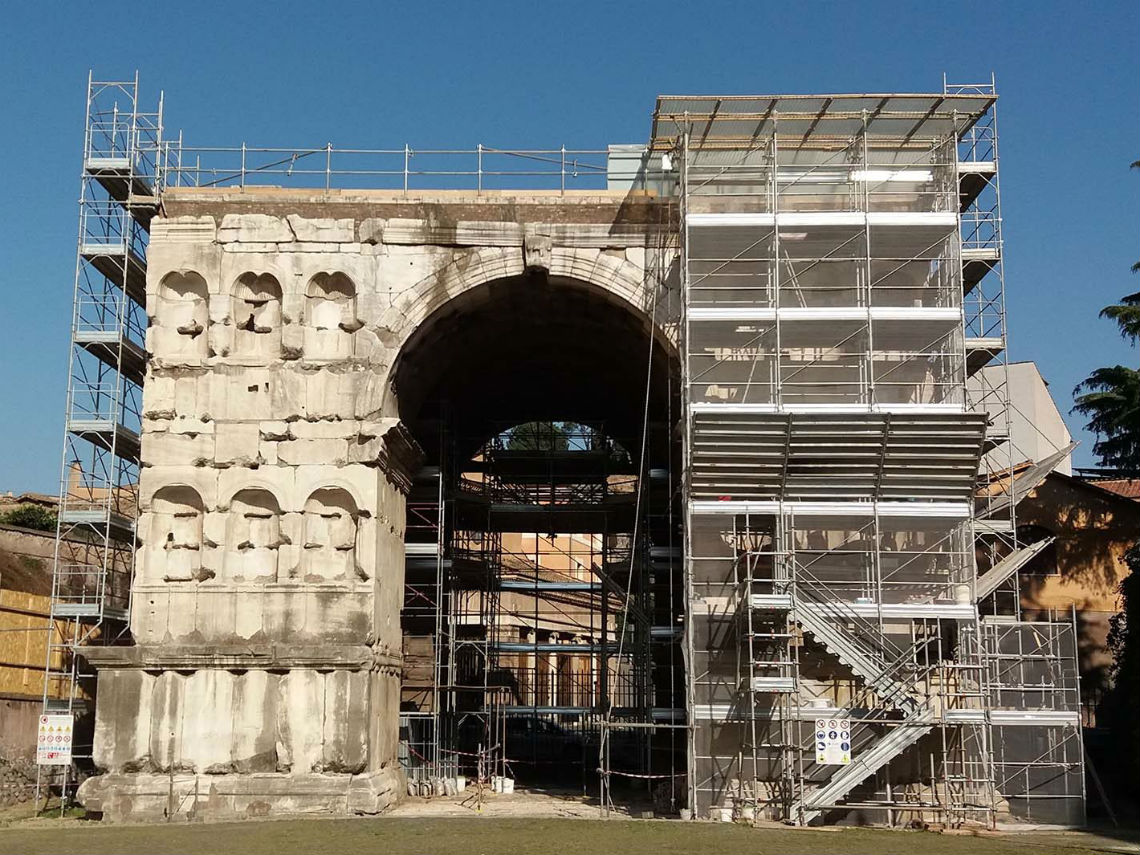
(535, 348)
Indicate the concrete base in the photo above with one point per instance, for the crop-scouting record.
(143, 798)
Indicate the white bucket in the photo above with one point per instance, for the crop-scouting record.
(508, 785)
(460, 784)
(725, 814)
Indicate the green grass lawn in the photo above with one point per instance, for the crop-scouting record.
(530, 837)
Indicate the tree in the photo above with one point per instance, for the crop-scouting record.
(1118, 710)
(539, 436)
(29, 516)
(1110, 397)
(1126, 313)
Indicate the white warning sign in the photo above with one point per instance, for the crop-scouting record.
(833, 741)
(53, 741)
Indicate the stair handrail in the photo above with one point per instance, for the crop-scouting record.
(898, 665)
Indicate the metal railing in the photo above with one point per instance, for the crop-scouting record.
(404, 169)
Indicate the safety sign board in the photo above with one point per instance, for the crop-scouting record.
(833, 741)
(53, 741)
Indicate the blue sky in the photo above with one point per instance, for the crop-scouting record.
(441, 74)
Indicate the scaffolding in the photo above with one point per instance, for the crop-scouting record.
(95, 540)
(842, 280)
(847, 509)
(546, 639)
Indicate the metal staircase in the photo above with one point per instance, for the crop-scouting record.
(895, 681)
(894, 675)
(864, 764)
(832, 629)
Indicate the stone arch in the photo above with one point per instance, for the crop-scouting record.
(183, 315)
(257, 315)
(253, 536)
(175, 541)
(330, 316)
(616, 278)
(329, 533)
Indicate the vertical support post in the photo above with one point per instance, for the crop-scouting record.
(407, 155)
(243, 166)
(479, 168)
(563, 171)
(328, 166)
(778, 378)
(868, 394)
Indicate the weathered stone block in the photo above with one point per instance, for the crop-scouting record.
(253, 741)
(207, 724)
(324, 230)
(166, 721)
(371, 230)
(337, 429)
(345, 737)
(333, 452)
(176, 449)
(122, 724)
(237, 443)
(253, 228)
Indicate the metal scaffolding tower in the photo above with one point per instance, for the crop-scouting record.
(95, 541)
(1033, 686)
(545, 645)
(836, 304)
(846, 602)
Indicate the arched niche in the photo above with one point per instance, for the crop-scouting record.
(329, 536)
(330, 316)
(183, 315)
(257, 316)
(175, 546)
(253, 537)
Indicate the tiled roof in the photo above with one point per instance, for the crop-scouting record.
(1127, 487)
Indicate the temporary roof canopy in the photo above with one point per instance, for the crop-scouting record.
(727, 119)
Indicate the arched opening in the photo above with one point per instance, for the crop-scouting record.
(328, 546)
(174, 529)
(543, 577)
(253, 537)
(257, 316)
(330, 316)
(183, 316)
